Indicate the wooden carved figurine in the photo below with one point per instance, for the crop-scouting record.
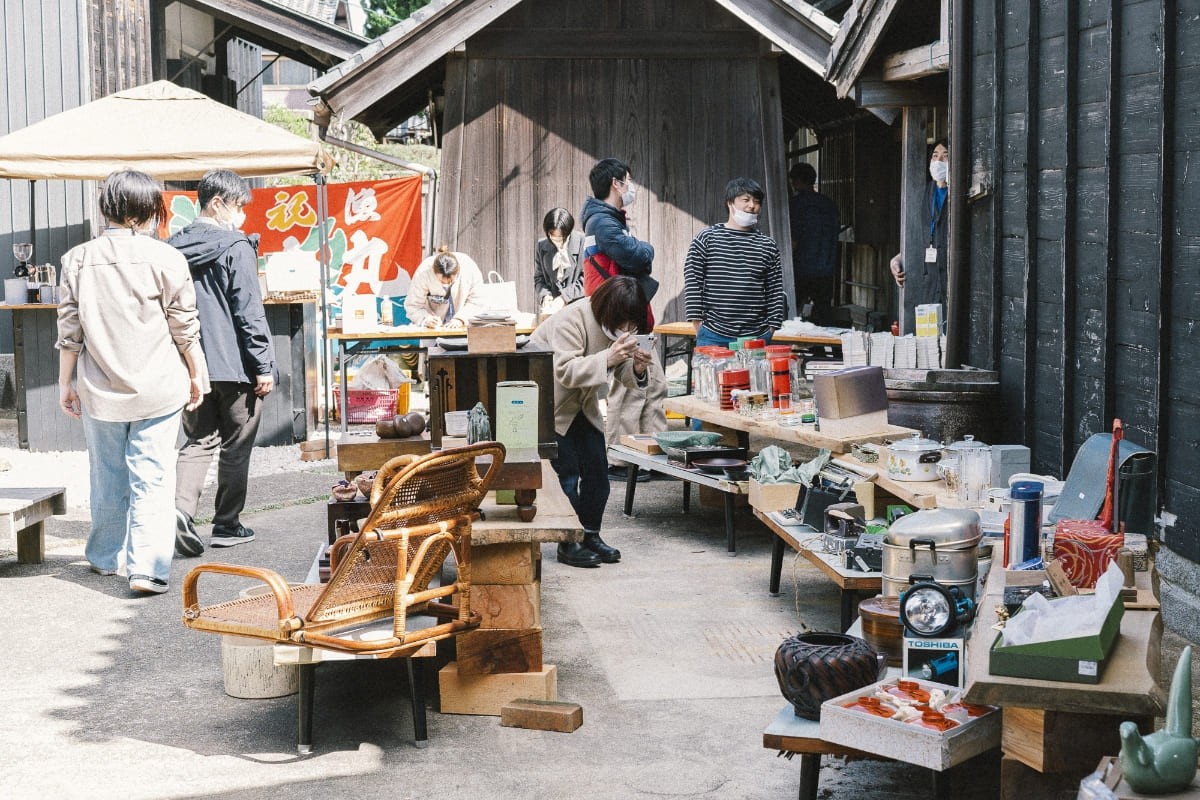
(1164, 761)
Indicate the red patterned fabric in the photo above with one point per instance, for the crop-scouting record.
(1085, 548)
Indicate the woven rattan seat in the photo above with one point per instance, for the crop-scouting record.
(421, 512)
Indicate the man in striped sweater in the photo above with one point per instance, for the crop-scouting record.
(733, 277)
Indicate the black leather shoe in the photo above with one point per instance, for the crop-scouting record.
(574, 554)
(607, 554)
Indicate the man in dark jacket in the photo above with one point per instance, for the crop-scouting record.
(609, 249)
(241, 362)
(814, 223)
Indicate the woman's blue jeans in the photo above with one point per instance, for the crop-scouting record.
(132, 493)
(582, 467)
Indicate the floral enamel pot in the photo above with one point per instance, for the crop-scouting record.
(913, 459)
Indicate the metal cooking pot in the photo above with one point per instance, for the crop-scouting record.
(913, 459)
(939, 544)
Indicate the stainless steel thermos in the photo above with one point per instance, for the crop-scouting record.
(1024, 529)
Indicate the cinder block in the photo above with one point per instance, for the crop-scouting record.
(542, 715)
(486, 694)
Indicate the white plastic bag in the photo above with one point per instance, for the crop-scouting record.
(378, 373)
(497, 294)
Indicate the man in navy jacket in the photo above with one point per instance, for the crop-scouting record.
(241, 362)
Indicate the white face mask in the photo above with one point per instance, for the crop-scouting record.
(743, 219)
(629, 196)
(236, 220)
(939, 170)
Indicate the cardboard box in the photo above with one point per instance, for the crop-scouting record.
(1077, 660)
(928, 319)
(517, 419)
(861, 425)
(492, 337)
(849, 393)
(641, 441)
(939, 660)
(1008, 460)
(773, 496)
(904, 741)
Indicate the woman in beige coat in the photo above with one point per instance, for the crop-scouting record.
(593, 340)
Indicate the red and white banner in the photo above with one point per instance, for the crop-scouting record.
(374, 230)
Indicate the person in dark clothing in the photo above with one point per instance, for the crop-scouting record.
(814, 224)
(557, 271)
(926, 282)
(610, 249)
(241, 362)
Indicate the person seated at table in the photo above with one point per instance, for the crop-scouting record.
(733, 275)
(592, 340)
(443, 291)
(557, 269)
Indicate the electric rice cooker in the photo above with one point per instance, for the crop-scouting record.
(913, 459)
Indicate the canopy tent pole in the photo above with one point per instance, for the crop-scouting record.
(32, 220)
(323, 256)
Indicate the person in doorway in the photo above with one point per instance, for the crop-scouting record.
(609, 249)
(814, 226)
(557, 269)
(443, 290)
(241, 362)
(130, 363)
(733, 276)
(594, 344)
(926, 282)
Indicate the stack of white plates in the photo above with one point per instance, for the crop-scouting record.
(854, 348)
(905, 352)
(883, 349)
(928, 354)
(492, 316)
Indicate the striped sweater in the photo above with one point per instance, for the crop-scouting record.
(733, 282)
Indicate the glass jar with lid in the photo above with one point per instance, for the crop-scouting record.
(729, 375)
(703, 382)
(971, 461)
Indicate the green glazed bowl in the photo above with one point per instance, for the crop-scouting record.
(667, 439)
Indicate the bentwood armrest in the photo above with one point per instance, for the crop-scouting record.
(279, 587)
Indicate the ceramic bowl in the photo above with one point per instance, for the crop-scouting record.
(717, 466)
(667, 439)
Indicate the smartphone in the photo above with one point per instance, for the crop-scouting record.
(645, 341)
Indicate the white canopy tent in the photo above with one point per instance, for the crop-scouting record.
(170, 133)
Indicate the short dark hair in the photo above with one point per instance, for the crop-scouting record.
(943, 142)
(604, 173)
(558, 219)
(804, 173)
(740, 186)
(444, 263)
(131, 196)
(619, 301)
(225, 184)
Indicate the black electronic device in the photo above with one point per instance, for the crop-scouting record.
(867, 553)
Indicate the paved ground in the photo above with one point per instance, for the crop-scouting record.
(669, 653)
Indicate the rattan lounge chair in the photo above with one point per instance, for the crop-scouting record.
(421, 512)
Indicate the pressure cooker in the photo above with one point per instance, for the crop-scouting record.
(937, 544)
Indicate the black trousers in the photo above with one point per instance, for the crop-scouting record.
(226, 422)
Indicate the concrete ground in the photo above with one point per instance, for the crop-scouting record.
(669, 653)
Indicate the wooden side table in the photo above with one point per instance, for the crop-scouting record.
(23, 515)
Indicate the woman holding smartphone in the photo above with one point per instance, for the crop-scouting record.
(592, 339)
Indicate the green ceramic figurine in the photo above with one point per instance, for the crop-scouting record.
(1164, 761)
(479, 426)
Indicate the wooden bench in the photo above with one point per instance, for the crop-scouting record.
(23, 515)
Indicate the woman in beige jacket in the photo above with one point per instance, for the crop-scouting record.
(592, 339)
(129, 336)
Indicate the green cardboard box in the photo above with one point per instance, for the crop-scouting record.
(1077, 660)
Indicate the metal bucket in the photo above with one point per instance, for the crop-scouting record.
(946, 404)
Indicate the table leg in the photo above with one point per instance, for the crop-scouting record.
(730, 532)
(307, 677)
(849, 607)
(342, 398)
(776, 566)
(630, 487)
(810, 774)
(31, 544)
(416, 696)
(687, 496)
(526, 509)
(941, 785)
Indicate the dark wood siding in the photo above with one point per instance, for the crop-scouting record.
(530, 107)
(1083, 273)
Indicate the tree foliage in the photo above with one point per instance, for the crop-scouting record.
(383, 14)
(351, 166)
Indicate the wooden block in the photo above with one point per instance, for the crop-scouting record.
(505, 564)
(314, 450)
(487, 694)
(641, 441)
(866, 424)
(542, 715)
(1057, 741)
(492, 338)
(715, 498)
(507, 605)
(360, 453)
(490, 651)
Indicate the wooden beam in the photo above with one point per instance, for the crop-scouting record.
(918, 62)
(283, 29)
(578, 42)
(853, 51)
(803, 33)
(876, 93)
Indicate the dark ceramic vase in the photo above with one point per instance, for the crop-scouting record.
(814, 667)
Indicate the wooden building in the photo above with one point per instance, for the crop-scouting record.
(527, 96)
